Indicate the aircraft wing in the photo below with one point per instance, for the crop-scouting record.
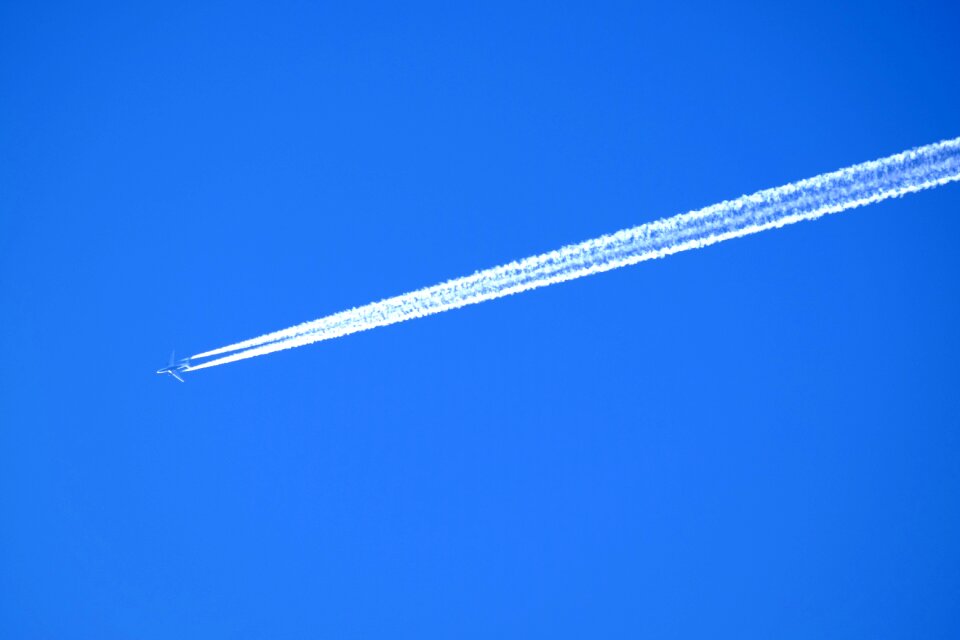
(175, 375)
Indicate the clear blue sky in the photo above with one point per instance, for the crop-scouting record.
(759, 439)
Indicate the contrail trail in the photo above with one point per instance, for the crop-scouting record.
(921, 168)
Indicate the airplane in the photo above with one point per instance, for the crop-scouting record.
(175, 367)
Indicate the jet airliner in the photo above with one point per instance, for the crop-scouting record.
(174, 368)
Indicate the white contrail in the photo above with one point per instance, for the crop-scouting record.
(890, 177)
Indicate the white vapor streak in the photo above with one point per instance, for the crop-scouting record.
(922, 168)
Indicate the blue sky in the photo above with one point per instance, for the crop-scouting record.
(758, 439)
